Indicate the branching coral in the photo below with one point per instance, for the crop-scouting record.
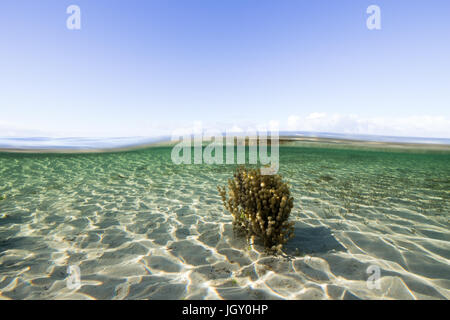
(260, 205)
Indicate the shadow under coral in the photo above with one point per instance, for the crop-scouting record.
(312, 240)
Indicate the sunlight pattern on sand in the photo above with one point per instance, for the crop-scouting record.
(140, 227)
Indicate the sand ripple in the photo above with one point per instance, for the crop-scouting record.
(140, 227)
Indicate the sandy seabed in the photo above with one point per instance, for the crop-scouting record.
(140, 227)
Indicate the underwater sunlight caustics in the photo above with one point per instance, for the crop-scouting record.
(346, 221)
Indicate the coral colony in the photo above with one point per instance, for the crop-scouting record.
(260, 205)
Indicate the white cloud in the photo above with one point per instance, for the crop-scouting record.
(316, 115)
(18, 130)
(412, 126)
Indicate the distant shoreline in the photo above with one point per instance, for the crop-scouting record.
(285, 140)
(365, 143)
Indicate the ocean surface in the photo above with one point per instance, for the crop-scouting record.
(140, 227)
(88, 144)
(75, 143)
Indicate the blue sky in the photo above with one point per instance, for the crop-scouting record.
(144, 68)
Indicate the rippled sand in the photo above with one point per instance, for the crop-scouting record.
(140, 227)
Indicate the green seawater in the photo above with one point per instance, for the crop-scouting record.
(140, 227)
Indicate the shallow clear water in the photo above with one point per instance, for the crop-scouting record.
(140, 227)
